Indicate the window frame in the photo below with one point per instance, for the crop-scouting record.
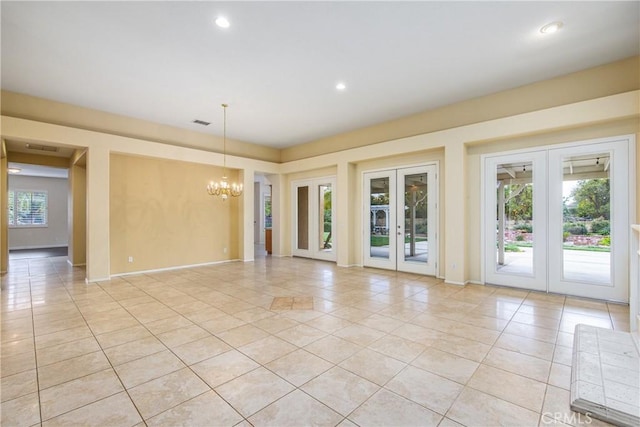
(12, 197)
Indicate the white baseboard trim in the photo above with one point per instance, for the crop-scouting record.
(474, 282)
(348, 265)
(75, 265)
(451, 282)
(178, 267)
(21, 248)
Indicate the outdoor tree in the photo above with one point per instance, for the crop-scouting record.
(592, 198)
(519, 201)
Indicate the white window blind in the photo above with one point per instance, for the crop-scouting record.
(28, 208)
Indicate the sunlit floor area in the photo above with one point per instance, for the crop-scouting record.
(284, 342)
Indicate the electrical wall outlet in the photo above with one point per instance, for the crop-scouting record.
(130, 259)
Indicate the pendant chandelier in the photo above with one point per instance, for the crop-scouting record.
(223, 188)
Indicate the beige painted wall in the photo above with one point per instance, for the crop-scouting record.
(457, 206)
(617, 77)
(601, 107)
(47, 111)
(162, 216)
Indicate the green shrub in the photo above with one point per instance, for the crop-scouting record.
(511, 248)
(520, 238)
(575, 228)
(565, 235)
(600, 226)
(523, 226)
(606, 241)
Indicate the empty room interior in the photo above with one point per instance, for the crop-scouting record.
(320, 213)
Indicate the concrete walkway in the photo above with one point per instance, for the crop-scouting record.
(579, 266)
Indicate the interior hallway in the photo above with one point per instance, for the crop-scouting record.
(202, 346)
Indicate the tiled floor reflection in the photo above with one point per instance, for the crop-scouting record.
(202, 347)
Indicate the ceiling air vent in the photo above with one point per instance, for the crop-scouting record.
(201, 122)
(41, 147)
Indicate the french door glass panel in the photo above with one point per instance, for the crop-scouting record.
(416, 200)
(401, 216)
(303, 218)
(380, 215)
(589, 220)
(314, 218)
(515, 220)
(325, 218)
(586, 215)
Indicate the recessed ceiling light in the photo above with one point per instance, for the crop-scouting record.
(14, 170)
(551, 28)
(341, 86)
(222, 22)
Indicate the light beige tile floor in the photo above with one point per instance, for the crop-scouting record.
(202, 347)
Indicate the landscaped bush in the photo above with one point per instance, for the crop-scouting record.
(523, 226)
(575, 228)
(606, 241)
(600, 226)
(421, 228)
(519, 238)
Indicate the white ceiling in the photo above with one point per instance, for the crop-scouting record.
(278, 63)
(37, 170)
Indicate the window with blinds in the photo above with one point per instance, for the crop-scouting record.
(28, 208)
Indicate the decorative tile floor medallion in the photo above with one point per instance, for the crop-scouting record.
(604, 380)
(292, 303)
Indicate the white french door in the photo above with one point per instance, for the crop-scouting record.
(515, 199)
(400, 219)
(595, 265)
(557, 219)
(313, 203)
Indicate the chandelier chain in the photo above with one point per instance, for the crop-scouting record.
(223, 188)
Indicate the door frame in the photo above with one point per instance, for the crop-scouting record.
(313, 223)
(619, 216)
(538, 278)
(628, 139)
(432, 225)
(433, 215)
(367, 260)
